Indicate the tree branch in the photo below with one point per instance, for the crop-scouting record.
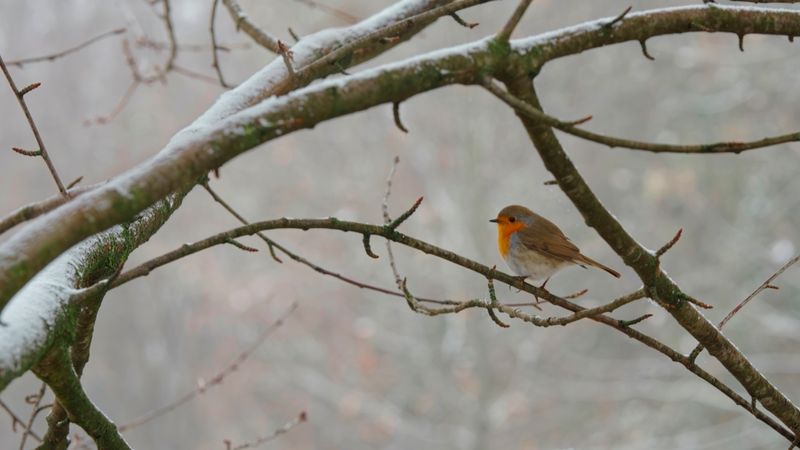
(36, 209)
(658, 285)
(56, 370)
(613, 142)
(765, 285)
(54, 56)
(244, 23)
(22, 104)
(505, 33)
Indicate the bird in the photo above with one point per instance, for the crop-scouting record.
(533, 247)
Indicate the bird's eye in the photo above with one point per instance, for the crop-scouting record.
(512, 219)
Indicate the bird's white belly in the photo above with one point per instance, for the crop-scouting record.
(532, 264)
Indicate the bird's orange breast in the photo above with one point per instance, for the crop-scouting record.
(504, 232)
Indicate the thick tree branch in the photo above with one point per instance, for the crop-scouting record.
(56, 370)
(36, 209)
(129, 197)
(211, 141)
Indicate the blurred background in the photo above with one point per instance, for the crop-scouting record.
(370, 373)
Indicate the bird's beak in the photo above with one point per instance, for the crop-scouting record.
(493, 220)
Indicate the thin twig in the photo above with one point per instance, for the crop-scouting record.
(462, 22)
(34, 129)
(55, 56)
(121, 104)
(341, 14)
(214, 46)
(272, 245)
(505, 34)
(765, 285)
(302, 417)
(244, 23)
(669, 244)
(568, 127)
(216, 379)
(173, 43)
(16, 420)
(36, 400)
(288, 57)
(617, 19)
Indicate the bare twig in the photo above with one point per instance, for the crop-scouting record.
(121, 104)
(216, 379)
(16, 420)
(173, 43)
(669, 244)
(505, 33)
(287, 55)
(194, 75)
(55, 56)
(765, 285)
(35, 400)
(244, 23)
(570, 128)
(302, 417)
(462, 22)
(272, 245)
(43, 151)
(618, 18)
(341, 14)
(214, 46)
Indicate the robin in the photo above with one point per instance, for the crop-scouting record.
(533, 247)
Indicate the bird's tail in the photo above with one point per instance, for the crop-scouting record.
(593, 263)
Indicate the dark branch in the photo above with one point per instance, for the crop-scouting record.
(55, 56)
(42, 150)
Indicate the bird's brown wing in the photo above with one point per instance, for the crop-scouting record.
(545, 237)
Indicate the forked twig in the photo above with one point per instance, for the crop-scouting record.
(765, 285)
